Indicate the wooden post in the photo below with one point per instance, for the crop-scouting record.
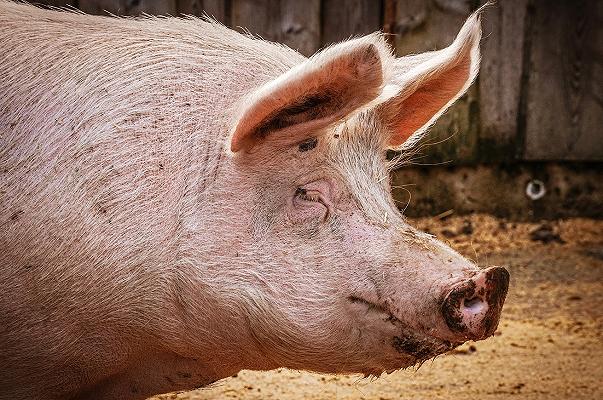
(343, 19)
(294, 23)
(128, 7)
(431, 25)
(564, 105)
(500, 80)
(214, 8)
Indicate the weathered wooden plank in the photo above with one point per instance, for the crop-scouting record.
(294, 23)
(430, 25)
(214, 8)
(564, 106)
(56, 3)
(300, 25)
(101, 7)
(257, 17)
(154, 7)
(500, 79)
(128, 7)
(388, 25)
(341, 20)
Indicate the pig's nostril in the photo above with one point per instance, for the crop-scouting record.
(472, 308)
(474, 305)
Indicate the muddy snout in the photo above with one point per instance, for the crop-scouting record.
(472, 308)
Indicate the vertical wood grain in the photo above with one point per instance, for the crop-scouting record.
(256, 16)
(214, 8)
(564, 105)
(128, 7)
(56, 3)
(343, 19)
(300, 25)
(431, 25)
(294, 23)
(500, 79)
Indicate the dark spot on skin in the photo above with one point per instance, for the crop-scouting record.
(15, 216)
(497, 282)
(28, 266)
(489, 322)
(412, 346)
(300, 192)
(392, 319)
(309, 108)
(308, 144)
(160, 165)
(451, 306)
(336, 136)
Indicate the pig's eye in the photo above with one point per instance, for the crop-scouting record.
(305, 195)
(310, 201)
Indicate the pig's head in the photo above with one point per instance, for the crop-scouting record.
(317, 268)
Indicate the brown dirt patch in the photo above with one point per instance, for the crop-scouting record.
(549, 342)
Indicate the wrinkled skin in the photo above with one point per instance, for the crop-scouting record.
(180, 202)
(362, 282)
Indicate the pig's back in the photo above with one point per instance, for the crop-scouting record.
(110, 131)
(107, 123)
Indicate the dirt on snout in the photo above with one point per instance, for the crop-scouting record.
(549, 344)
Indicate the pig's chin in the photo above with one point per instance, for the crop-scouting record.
(405, 346)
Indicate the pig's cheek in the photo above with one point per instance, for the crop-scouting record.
(358, 231)
(306, 214)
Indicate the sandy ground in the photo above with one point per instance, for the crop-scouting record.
(549, 344)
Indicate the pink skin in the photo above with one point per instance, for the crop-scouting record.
(377, 285)
(179, 202)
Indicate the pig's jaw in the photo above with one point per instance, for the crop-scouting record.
(411, 346)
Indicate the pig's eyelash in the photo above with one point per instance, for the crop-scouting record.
(303, 194)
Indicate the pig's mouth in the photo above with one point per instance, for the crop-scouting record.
(422, 349)
(407, 341)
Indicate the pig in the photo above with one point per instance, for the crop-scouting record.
(179, 201)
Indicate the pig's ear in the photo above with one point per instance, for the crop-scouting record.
(428, 84)
(317, 93)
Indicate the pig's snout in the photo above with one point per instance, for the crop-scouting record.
(472, 308)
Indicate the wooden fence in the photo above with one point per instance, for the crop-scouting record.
(540, 92)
